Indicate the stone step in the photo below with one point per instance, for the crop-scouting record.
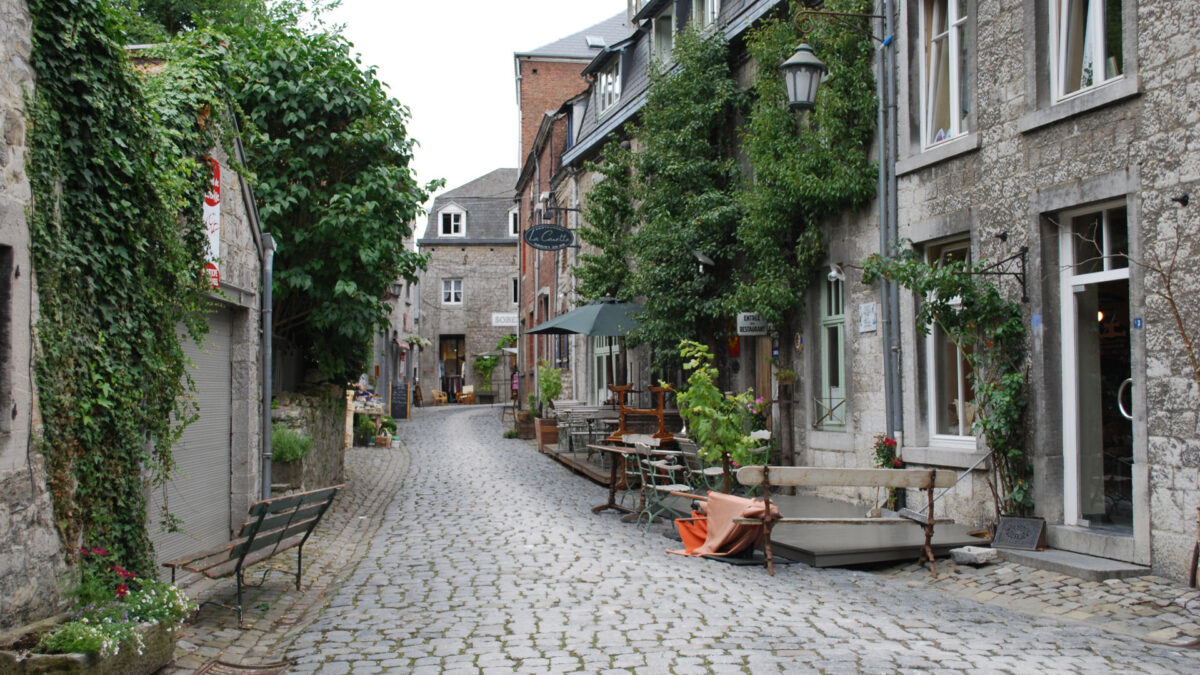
(1079, 565)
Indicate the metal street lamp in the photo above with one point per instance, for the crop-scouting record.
(802, 75)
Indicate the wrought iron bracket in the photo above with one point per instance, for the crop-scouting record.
(1001, 268)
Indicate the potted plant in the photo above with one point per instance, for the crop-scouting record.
(718, 422)
(387, 429)
(887, 456)
(288, 450)
(364, 429)
(550, 384)
(122, 624)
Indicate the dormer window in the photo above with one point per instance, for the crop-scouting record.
(704, 12)
(453, 222)
(514, 223)
(608, 85)
(662, 37)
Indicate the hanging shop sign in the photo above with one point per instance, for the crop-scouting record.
(549, 237)
(750, 323)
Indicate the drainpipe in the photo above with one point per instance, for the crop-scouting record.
(889, 293)
(893, 216)
(268, 356)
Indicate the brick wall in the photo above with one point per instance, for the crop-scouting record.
(544, 86)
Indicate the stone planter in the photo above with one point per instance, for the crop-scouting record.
(289, 473)
(546, 432)
(159, 650)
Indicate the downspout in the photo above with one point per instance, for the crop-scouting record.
(268, 357)
(889, 292)
(893, 219)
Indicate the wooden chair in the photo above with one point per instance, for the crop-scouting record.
(468, 394)
(439, 397)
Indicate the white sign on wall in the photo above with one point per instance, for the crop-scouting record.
(749, 323)
(868, 320)
(506, 319)
(211, 214)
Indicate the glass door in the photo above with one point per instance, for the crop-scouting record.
(1097, 370)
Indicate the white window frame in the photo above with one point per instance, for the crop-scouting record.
(1093, 25)
(514, 223)
(457, 229)
(452, 291)
(964, 439)
(705, 12)
(608, 85)
(661, 48)
(955, 41)
(832, 403)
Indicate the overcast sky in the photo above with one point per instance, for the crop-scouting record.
(451, 63)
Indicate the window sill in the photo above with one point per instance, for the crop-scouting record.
(939, 153)
(1120, 90)
(950, 457)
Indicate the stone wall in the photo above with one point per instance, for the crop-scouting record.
(31, 560)
(320, 413)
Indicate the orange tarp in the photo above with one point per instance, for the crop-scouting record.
(719, 535)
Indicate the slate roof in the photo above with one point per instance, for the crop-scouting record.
(736, 17)
(486, 201)
(576, 46)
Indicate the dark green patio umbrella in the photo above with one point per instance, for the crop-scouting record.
(605, 317)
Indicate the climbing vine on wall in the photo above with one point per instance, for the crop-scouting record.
(989, 332)
(608, 216)
(803, 172)
(685, 182)
(117, 240)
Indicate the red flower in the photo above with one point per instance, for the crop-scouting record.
(897, 462)
(123, 573)
(122, 591)
(99, 551)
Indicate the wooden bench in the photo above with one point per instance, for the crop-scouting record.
(804, 476)
(274, 525)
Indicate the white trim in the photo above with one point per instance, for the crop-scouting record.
(955, 36)
(514, 222)
(1059, 46)
(461, 224)
(450, 287)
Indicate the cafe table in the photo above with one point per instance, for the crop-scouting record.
(619, 457)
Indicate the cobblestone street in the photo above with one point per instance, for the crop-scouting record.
(487, 558)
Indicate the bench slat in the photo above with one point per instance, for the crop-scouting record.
(228, 567)
(265, 539)
(804, 476)
(840, 521)
(305, 512)
(278, 504)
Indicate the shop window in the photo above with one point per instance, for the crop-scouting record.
(948, 376)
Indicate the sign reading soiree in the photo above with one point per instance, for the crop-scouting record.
(549, 237)
(504, 319)
(749, 323)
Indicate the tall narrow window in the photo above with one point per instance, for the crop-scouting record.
(6, 310)
(663, 37)
(1085, 44)
(516, 291)
(831, 402)
(608, 84)
(452, 291)
(704, 12)
(945, 94)
(514, 223)
(951, 395)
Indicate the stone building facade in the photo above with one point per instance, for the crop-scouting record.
(468, 292)
(31, 560)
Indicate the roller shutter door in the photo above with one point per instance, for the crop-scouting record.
(199, 493)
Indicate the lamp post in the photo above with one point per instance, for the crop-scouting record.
(802, 75)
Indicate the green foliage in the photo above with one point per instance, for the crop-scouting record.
(510, 433)
(716, 421)
(364, 427)
(332, 157)
(609, 216)
(988, 330)
(117, 244)
(686, 178)
(289, 445)
(387, 425)
(146, 21)
(549, 384)
(485, 365)
(803, 172)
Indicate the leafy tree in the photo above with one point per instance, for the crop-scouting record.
(143, 21)
(331, 157)
(609, 215)
(686, 176)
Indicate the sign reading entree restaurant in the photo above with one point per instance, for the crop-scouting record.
(549, 237)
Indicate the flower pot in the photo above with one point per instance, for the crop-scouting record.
(546, 431)
(383, 441)
(159, 649)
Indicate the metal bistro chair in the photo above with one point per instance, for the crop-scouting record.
(659, 479)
